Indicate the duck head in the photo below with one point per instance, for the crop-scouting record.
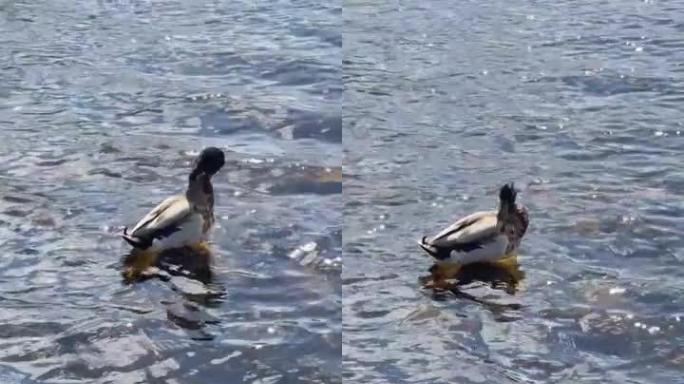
(200, 192)
(210, 161)
(513, 218)
(507, 195)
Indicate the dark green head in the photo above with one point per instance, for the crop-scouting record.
(507, 205)
(512, 218)
(209, 161)
(507, 195)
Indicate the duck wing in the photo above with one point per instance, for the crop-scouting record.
(474, 227)
(163, 218)
(467, 234)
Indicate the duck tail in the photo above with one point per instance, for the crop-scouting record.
(135, 242)
(429, 248)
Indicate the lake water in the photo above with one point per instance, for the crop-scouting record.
(103, 106)
(579, 103)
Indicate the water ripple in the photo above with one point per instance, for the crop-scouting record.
(576, 103)
(105, 105)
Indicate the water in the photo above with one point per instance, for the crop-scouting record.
(580, 104)
(104, 104)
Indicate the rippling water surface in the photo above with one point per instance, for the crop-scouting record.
(578, 102)
(104, 104)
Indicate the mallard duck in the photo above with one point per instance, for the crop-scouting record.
(482, 237)
(181, 220)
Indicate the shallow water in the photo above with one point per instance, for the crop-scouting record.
(580, 104)
(104, 106)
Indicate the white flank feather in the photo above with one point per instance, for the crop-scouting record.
(189, 233)
(489, 252)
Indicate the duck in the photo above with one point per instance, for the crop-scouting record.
(181, 220)
(481, 237)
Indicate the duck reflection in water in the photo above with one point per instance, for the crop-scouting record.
(190, 261)
(188, 271)
(503, 275)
